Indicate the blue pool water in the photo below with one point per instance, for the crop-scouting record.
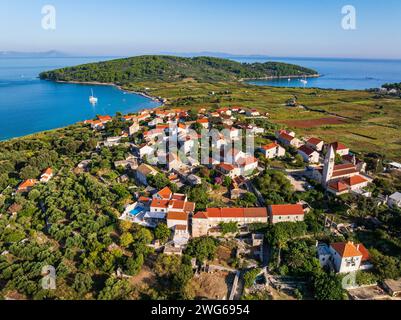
(29, 105)
(136, 211)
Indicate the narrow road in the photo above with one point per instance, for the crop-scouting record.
(42, 207)
(239, 287)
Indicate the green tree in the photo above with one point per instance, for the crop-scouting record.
(82, 283)
(200, 196)
(126, 239)
(158, 181)
(134, 265)
(115, 289)
(248, 200)
(202, 248)
(33, 195)
(229, 227)
(327, 286)
(250, 277)
(227, 181)
(29, 172)
(386, 267)
(162, 232)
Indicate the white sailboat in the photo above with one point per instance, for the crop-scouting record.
(92, 98)
(304, 81)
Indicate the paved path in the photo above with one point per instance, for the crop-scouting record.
(235, 286)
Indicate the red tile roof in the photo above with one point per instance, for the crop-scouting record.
(343, 166)
(189, 206)
(355, 180)
(270, 146)
(341, 173)
(307, 150)
(245, 161)
(204, 120)
(104, 118)
(338, 186)
(255, 212)
(231, 213)
(346, 249)
(48, 172)
(286, 209)
(165, 193)
(176, 215)
(177, 204)
(222, 213)
(365, 253)
(226, 166)
(177, 196)
(339, 146)
(144, 199)
(159, 203)
(286, 136)
(314, 141)
(200, 215)
(27, 184)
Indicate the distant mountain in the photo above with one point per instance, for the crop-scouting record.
(171, 68)
(46, 54)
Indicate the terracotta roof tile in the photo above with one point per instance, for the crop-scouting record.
(165, 193)
(176, 215)
(270, 146)
(159, 203)
(286, 209)
(346, 249)
(314, 141)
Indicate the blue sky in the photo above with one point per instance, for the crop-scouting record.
(265, 27)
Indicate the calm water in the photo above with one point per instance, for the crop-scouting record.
(340, 73)
(29, 105)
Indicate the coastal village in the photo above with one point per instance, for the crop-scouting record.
(238, 212)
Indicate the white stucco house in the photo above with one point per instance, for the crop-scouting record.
(286, 213)
(394, 200)
(349, 257)
(273, 150)
(308, 154)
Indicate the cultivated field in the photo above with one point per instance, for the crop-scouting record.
(364, 122)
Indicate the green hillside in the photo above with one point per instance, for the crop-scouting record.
(170, 69)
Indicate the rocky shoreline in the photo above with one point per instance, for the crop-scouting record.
(95, 83)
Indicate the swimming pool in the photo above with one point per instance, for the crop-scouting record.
(136, 211)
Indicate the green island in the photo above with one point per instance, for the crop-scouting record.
(73, 221)
(172, 69)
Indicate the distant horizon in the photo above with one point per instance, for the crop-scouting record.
(66, 54)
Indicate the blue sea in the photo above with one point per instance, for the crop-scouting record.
(29, 105)
(348, 74)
